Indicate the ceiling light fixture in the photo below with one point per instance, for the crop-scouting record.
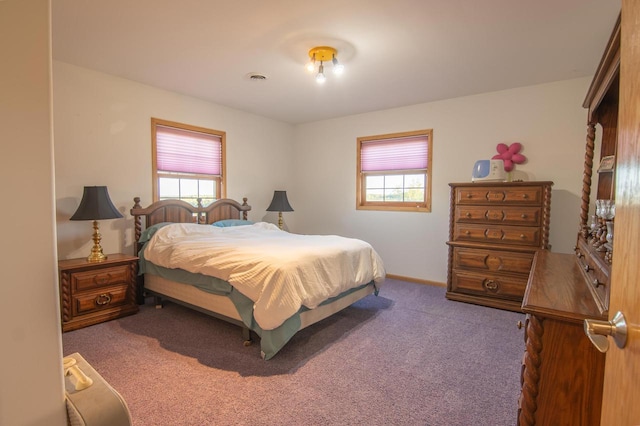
(322, 54)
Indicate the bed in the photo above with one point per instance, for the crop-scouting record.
(175, 230)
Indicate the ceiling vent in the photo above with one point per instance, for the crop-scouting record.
(256, 77)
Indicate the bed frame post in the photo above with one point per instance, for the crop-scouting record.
(244, 212)
(137, 219)
(202, 219)
(137, 225)
(246, 335)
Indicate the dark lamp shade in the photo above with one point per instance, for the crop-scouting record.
(96, 205)
(279, 202)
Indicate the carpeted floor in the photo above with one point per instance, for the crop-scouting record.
(406, 357)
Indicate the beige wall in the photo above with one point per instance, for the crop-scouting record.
(102, 127)
(547, 119)
(102, 131)
(31, 387)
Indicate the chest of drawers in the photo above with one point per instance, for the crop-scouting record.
(495, 230)
(91, 293)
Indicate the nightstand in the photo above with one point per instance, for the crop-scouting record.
(94, 292)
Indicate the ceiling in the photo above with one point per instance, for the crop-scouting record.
(395, 52)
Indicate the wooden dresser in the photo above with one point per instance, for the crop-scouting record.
(563, 373)
(495, 230)
(94, 292)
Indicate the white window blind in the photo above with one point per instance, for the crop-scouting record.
(411, 153)
(187, 151)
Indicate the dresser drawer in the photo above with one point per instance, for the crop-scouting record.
(98, 278)
(492, 260)
(594, 275)
(529, 195)
(595, 272)
(86, 303)
(525, 216)
(518, 235)
(494, 285)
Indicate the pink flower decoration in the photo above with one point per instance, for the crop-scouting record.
(510, 155)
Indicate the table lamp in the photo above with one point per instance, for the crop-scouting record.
(96, 205)
(279, 204)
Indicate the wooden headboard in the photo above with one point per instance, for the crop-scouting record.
(179, 211)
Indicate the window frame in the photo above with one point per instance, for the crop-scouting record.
(219, 181)
(363, 204)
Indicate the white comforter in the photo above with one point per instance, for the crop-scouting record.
(278, 271)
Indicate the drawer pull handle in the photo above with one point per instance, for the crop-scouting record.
(597, 283)
(491, 285)
(469, 195)
(587, 268)
(579, 254)
(522, 236)
(524, 216)
(467, 232)
(525, 196)
(103, 299)
(102, 279)
(468, 214)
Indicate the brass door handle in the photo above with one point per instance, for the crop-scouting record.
(597, 332)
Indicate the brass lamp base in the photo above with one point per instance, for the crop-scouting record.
(96, 251)
(280, 224)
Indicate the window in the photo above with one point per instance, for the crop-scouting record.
(394, 172)
(188, 162)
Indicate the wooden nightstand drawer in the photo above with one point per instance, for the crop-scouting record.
(525, 216)
(531, 195)
(103, 277)
(85, 303)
